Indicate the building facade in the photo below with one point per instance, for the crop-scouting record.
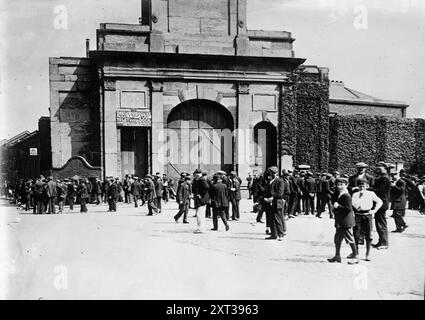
(191, 87)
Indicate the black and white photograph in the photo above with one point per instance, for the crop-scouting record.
(194, 151)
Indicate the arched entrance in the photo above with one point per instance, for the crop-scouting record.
(199, 135)
(265, 145)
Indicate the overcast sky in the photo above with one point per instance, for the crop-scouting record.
(374, 46)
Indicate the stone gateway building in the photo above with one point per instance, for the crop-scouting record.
(191, 87)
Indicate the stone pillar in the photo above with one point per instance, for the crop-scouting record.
(242, 132)
(110, 129)
(158, 146)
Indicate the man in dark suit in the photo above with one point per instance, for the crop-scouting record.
(325, 195)
(113, 195)
(159, 186)
(287, 191)
(219, 194)
(310, 189)
(276, 204)
(201, 197)
(361, 174)
(150, 195)
(235, 195)
(398, 201)
(84, 195)
(184, 198)
(52, 194)
(136, 190)
(382, 189)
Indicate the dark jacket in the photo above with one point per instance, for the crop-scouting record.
(276, 191)
(219, 195)
(136, 188)
(150, 190)
(113, 192)
(83, 191)
(184, 192)
(310, 185)
(325, 190)
(234, 183)
(344, 215)
(200, 190)
(398, 195)
(352, 181)
(382, 189)
(158, 187)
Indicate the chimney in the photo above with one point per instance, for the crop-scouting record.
(87, 48)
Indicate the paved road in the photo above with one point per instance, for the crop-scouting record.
(129, 255)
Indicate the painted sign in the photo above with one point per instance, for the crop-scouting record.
(127, 118)
(33, 151)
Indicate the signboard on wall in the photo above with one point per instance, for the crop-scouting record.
(33, 151)
(138, 118)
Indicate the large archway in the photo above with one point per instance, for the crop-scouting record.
(265, 145)
(199, 135)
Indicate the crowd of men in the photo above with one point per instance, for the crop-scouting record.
(352, 201)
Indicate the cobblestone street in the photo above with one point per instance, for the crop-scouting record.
(128, 255)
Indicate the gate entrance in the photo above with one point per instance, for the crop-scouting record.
(135, 151)
(199, 135)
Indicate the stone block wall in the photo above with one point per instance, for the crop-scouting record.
(74, 112)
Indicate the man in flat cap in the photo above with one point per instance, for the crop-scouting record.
(201, 197)
(234, 195)
(361, 174)
(184, 198)
(219, 200)
(136, 191)
(150, 195)
(398, 201)
(275, 205)
(310, 189)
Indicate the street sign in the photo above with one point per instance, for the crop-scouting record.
(33, 152)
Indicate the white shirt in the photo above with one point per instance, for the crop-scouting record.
(363, 201)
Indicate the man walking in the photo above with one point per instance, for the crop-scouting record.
(158, 190)
(235, 195)
(150, 195)
(113, 195)
(52, 195)
(201, 197)
(310, 190)
(183, 200)
(136, 190)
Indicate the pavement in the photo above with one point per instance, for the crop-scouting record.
(128, 255)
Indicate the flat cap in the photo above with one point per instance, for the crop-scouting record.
(221, 172)
(361, 165)
(197, 171)
(285, 172)
(274, 169)
(148, 176)
(341, 180)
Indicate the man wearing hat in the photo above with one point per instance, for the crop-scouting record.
(382, 190)
(200, 188)
(287, 191)
(159, 186)
(344, 221)
(234, 195)
(184, 198)
(361, 174)
(325, 195)
(52, 194)
(113, 195)
(310, 189)
(275, 205)
(62, 191)
(398, 201)
(365, 204)
(219, 200)
(421, 189)
(83, 195)
(150, 195)
(136, 190)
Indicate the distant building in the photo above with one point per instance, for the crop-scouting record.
(345, 101)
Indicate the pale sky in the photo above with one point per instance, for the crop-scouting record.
(384, 60)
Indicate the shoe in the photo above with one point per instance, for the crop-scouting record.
(367, 259)
(176, 220)
(185, 222)
(227, 228)
(353, 261)
(382, 247)
(405, 227)
(335, 259)
(280, 238)
(351, 256)
(376, 245)
(214, 229)
(268, 231)
(271, 238)
(397, 231)
(259, 221)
